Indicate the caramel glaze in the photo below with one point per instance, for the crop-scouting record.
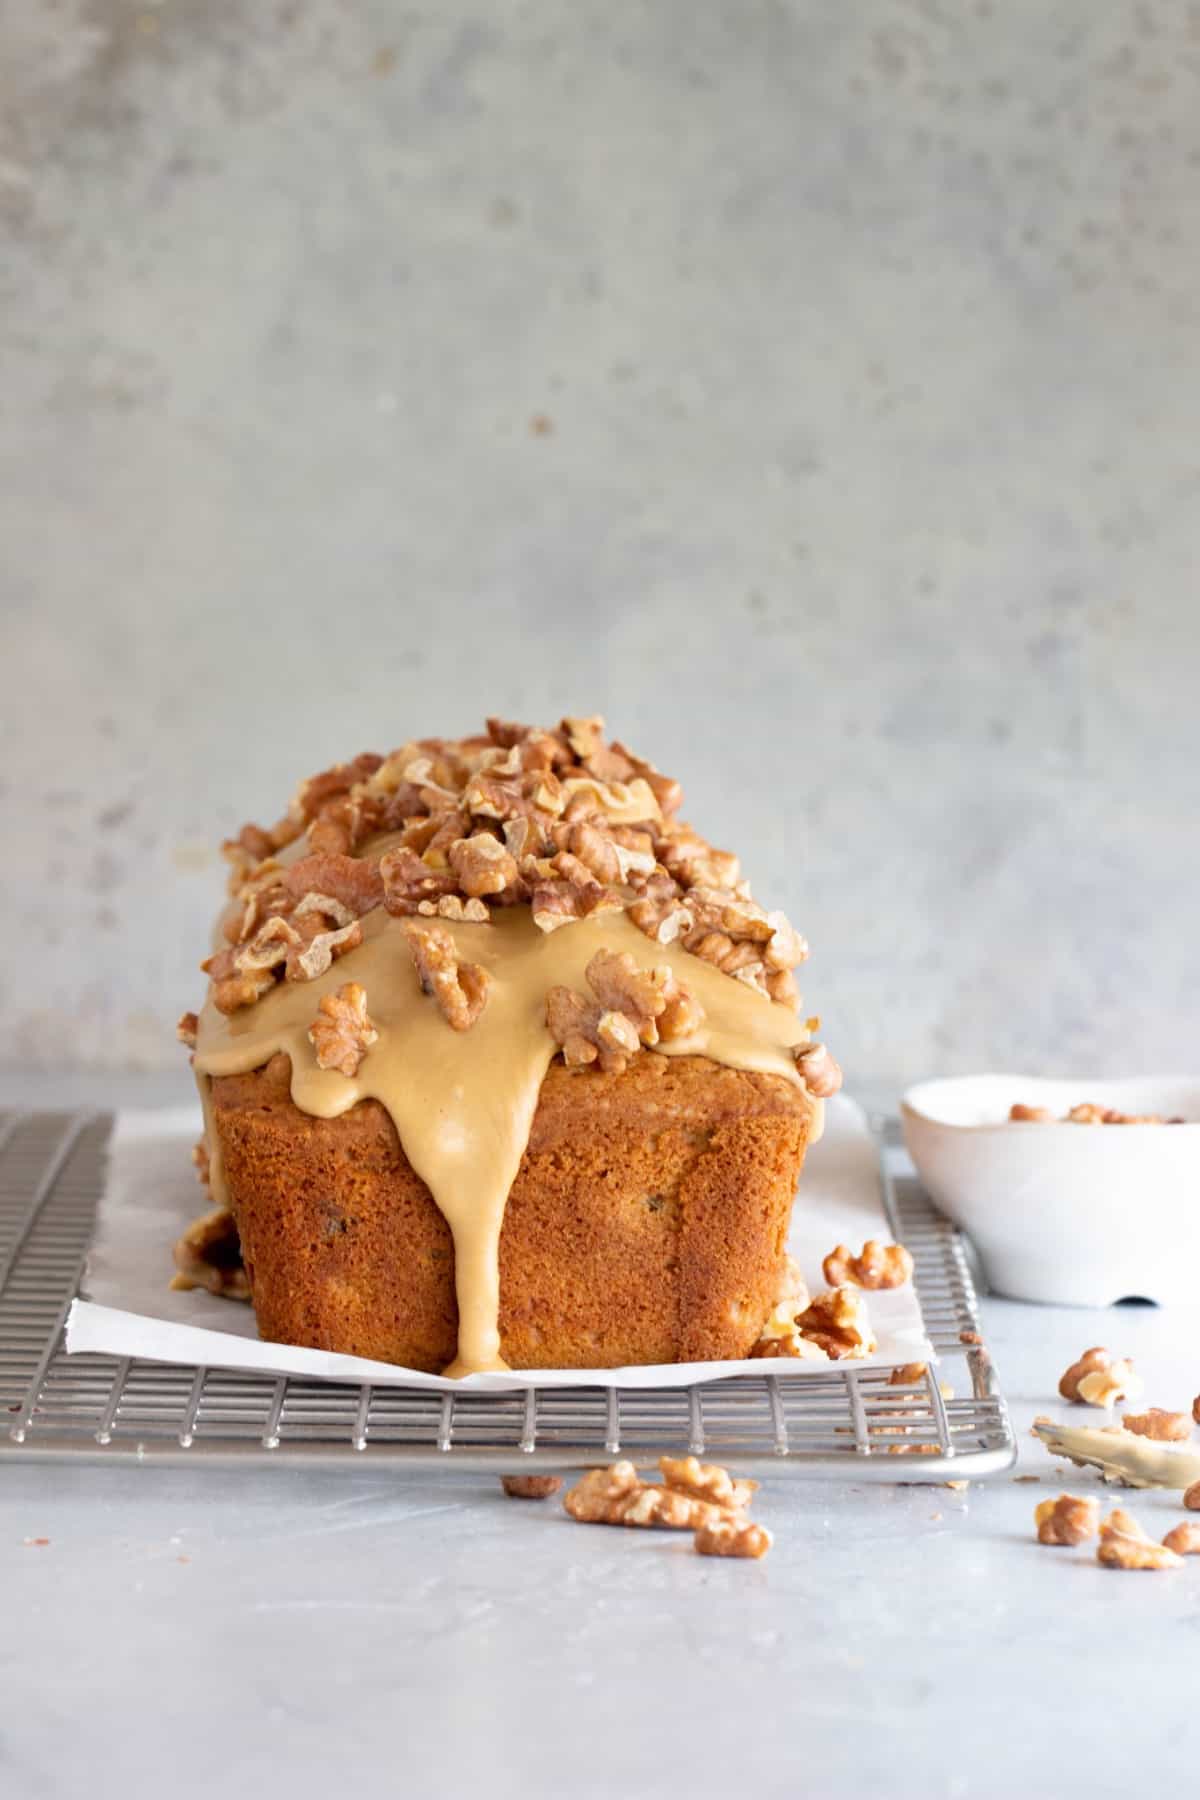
(463, 1102)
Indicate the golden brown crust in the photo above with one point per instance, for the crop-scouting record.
(646, 1223)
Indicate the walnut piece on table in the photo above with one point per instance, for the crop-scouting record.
(530, 1487)
(342, 1033)
(1068, 1520)
(1164, 1427)
(1103, 1387)
(727, 1537)
(1124, 1545)
(617, 1496)
(707, 1481)
(877, 1266)
(1089, 1363)
(1184, 1538)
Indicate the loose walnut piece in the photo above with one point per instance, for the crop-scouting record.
(878, 1266)
(706, 1481)
(1105, 1386)
(1184, 1539)
(1124, 1545)
(341, 1033)
(818, 1070)
(1090, 1363)
(837, 1323)
(209, 1255)
(1191, 1497)
(908, 1374)
(616, 1496)
(460, 989)
(530, 1487)
(1067, 1520)
(1196, 1409)
(1164, 1427)
(1037, 1115)
(724, 1537)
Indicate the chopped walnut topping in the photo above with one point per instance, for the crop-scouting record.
(530, 1487)
(725, 1537)
(837, 1322)
(1067, 1520)
(878, 1266)
(632, 1007)
(1184, 1539)
(483, 866)
(1164, 1427)
(1090, 1363)
(408, 879)
(460, 989)
(448, 829)
(706, 1481)
(818, 1070)
(209, 1255)
(1124, 1545)
(342, 1033)
(1104, 1386)
(187, 1028)
(662, 917)
(449, 906)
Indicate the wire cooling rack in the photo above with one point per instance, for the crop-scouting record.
(846, 1423)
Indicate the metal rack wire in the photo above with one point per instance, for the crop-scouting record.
(846, 1423)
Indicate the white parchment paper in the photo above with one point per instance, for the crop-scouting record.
(151, 1194)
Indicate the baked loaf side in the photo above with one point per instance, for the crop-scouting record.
(646, 1222)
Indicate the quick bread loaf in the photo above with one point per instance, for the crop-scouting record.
(501, 1065)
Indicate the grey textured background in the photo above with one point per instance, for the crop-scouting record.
(813, 388)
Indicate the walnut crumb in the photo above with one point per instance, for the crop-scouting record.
(342, 1033)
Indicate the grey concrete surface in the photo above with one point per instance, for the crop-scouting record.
(811, 388)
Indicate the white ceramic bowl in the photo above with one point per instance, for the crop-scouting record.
(1077, 1215)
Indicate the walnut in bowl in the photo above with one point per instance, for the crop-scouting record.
(1070, 1216)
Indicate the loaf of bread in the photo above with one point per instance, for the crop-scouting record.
(501, 1066)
